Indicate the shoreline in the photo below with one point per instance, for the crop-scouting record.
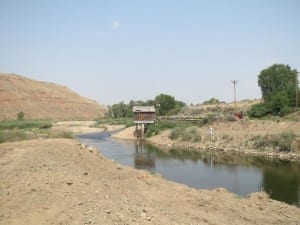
(188, 147)
(164, 142)
(91, 189)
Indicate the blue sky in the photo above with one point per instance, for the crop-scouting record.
(113, 51)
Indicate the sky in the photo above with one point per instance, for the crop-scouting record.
(112, 51)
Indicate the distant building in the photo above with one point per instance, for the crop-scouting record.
(143, 116)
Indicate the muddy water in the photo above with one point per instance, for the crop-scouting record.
(238, 174)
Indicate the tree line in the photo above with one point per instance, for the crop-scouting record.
(165, 105)
(278, 84)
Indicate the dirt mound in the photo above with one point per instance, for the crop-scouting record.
(59, 181)
(43, 100)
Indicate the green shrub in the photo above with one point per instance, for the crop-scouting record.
(211, 101)
(210, 118)
(128, 122)
(45, 126)
(20, 116)
(176, 132)
(12, 135)
(186, 134)
(24, 124)
(259, 110)
(191, 134)
(1, 137)
(66, 134)
(156, 128)
(282, 142)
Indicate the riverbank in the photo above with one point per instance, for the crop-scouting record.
(83, 127)
(231, 137)
(60, 181)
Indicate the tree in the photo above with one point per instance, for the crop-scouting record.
(212, 101)
(278, 85)
(20, 116)
(119, 110)
(168, 105)
(278, 78)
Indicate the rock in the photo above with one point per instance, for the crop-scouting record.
(119, 167)
(107, 211)
(69, 183)
(85, 173)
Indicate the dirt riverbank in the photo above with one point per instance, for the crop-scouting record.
(60, 181)
(229, 137)
(79, 127)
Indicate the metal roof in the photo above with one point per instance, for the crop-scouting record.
(143, 109)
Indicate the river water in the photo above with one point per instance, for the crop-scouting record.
(238, 174)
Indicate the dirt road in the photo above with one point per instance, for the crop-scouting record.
(60, 181)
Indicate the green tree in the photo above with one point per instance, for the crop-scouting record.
(20, 116)
(278, 85)
(119, 110)
(278, 78)
(212, 101)
(279, 103)
(168, 105)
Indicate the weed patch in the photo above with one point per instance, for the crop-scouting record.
(128, 122)
(282, 142)
(186, 134)
(24, 124)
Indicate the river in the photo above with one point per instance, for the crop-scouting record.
(238, 174)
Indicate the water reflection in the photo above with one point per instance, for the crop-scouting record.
(239, 174)
(143, 159)
(283, 183)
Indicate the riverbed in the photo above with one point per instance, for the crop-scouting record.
(238, 174)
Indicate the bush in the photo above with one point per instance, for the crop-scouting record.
(191, 134)
(24, 124)
(210, 118)
(259, 110)
(186, 134)
(20, 116)
(64, 134)
(1, 137)
(156, 128)
(212, 101)
(282, 142)
(128, 122)
(176, 132)
(12, 135)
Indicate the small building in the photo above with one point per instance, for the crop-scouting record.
(143, 116)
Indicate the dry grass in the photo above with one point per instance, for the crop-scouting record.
(42, 100)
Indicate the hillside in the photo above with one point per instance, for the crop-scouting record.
(43, 100)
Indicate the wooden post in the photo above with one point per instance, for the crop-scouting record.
(142, 130)
(136, 130)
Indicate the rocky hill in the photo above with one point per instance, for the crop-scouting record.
(43, 100)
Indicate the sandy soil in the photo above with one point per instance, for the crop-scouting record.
(79, 127)
(126, 134)
(61, 181)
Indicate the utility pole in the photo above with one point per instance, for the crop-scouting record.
(234, 87)
(297, 89)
